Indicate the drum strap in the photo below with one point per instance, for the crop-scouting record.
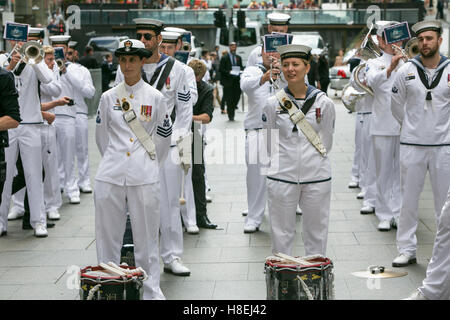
(299, 119)
(133, 122)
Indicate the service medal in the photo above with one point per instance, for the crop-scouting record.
(318, 115)
(168, 83)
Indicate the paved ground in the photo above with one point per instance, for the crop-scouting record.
(225, 264)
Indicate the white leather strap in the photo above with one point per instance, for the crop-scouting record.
(135, 125)
(299, 119)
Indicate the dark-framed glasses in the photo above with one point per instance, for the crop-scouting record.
(147, 36)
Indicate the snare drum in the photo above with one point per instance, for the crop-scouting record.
(287, 280)
(98, 284)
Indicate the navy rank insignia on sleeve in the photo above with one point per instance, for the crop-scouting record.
(394, 89)
(98, 119)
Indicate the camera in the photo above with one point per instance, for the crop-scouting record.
(71, 102)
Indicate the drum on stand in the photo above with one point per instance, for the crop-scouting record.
(98, 284)
(287, 280)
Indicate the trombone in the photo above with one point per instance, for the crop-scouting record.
(6, 58)
(31, 53)
(410, 51)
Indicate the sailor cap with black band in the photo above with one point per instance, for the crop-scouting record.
(278, 19)
(427, 25)
(61, 39)
(181, 31)
(36, 32)
(149, 24)
(382, 24)
(132, 47)
(295, 51)
(72, 44)
(170, 37)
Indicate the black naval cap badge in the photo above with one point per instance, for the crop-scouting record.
(125, 105)
(128, 44)
(287, 104)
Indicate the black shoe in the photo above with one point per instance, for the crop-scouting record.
(203, 222)
(3, 233)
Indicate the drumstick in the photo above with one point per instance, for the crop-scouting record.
(112, 269)
(296, 260)
(182, 199)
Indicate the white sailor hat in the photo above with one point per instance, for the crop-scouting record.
(174, 29)
(36, 32)
(132, 47)
(279, 19)
(72, 44)
(428, 25)
(380, 25)
(170, 37)
(148, 24)
(294, 51)
(62, 39)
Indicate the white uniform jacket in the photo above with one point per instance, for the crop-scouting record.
(424, 122)
(124, 159)
(382, 121)
(176, 90)
(52, 89)
(27, 87)
(72, 83)
(294, 159)
(257, 95)
(88, 90)
(254, 57)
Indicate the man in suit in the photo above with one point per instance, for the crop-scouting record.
(230, 66)
(88, 59)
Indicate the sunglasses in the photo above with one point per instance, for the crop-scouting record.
(147, 36)
(69, 53)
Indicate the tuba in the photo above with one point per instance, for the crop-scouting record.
(350, 96)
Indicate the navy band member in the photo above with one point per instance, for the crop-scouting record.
(27, 139)
(300, 170)
(128, 174)
(9, 119)
(255, 82)
(385, 133)
(420, 103)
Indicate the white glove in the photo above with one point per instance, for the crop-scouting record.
(185, 151)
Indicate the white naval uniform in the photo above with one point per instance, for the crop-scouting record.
(357, 165)
(81, 129)
(367, 174)
(52, 194)
(424, 145)
(188, 211)
(179, 95)
(299, 174)
(436, 285)
(71, 82)
(27, 138)
(385, 133)
(254, 140)
(254, 57)
(128, 178)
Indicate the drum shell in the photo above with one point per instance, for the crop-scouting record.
(113, 288)
(282, 282)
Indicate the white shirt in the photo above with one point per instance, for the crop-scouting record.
(27, 87)
(87, 92)
(294, 159)
(382, 121)
(72, 83)
(423, 122)
(52, 89)
(124, 159)
(254, 57)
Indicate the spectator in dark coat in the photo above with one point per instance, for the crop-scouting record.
(88, 59)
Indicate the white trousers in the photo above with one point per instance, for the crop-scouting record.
(314, 199)
(111, 204)
(188, 209)
(256, 178)
(436, 285)
(171, 241)
(368, 176)
(387, 167)
(415, 161)
(27, 139)
(356, 167)
(52, 194)
(65, 138)
(82, 151)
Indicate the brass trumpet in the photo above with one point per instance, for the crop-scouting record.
(32, 52)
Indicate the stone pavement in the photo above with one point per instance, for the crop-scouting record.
(226, 263)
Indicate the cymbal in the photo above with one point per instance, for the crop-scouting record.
(388, 273)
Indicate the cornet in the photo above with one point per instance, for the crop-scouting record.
(32, 52)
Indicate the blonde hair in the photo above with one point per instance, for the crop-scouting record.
(198, 66)
(48, 49)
